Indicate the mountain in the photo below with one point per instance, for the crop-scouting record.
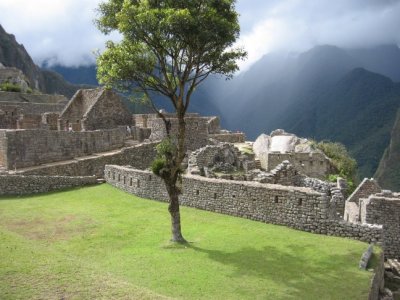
(76, 75)
(345, 95)
(13, 54)
(388, 172)
(358, 111)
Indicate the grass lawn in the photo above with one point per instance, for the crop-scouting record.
(101, 243)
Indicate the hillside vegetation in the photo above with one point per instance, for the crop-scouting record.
(101, 243)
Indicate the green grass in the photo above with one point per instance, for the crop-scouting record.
(101, 243)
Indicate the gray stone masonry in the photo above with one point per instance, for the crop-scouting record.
(384, 209)
(196, 135)
(295, 207)
(139, 156)
(25, 148)
(25, 185)
(93, 109)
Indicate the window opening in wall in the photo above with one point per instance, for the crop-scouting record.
(276, 199)
(197, 192)
(233, 196)
(130, 182)
(321, 163)
(12, 113)
(113, 176)
(149, 177)
(119, 177)
(109, 174)
(300, 201)
(138, 183)
(124, 179)
(215, 195)
(311, 162)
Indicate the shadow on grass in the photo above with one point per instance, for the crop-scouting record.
(300, 275)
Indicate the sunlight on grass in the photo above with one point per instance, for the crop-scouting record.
(99, 242)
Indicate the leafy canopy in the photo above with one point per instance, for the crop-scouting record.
(169, 46)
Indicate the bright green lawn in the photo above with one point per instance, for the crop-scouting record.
(101, 243)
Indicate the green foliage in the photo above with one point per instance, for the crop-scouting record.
(10, 87)
(345, 165)
(168, 47)
(161, 164)
(157, 165)
(341, 159)
(119, 243)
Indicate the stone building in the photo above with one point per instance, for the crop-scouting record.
(370, 205)
(280, 146)
(94, 109)
(24, 111)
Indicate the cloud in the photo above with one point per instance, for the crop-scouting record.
(297, 25)
(55, 31)
(63, 31)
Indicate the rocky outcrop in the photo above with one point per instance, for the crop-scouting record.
(388, 172)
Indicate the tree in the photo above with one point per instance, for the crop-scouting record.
(168, 47)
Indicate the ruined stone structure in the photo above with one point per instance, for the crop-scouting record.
(280, 146)
(26, 148)
(295, 207)
(371, 205)
(25, 111)
(104, 133)
(94, 109)
(25, 185)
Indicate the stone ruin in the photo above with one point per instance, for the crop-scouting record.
(272, 149)
(278, 179)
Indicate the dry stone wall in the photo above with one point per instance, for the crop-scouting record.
(27, 148)
(139, 156)
(196, 131)
(22, 98)
(384, 209)
(229, 137)
(299, 208)
(25, 185)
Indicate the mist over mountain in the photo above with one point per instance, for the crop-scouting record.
(13, 54)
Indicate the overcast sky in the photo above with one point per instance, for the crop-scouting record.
(62, 31)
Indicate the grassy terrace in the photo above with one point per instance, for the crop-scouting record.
(101, 243)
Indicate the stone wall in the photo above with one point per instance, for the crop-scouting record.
(352, 209)
(230, 137)
(25, 185)
(10, 111)
(196, 131)
(139, 156)
(27, 148)
(312, 164)
(299, 208)
(21, 98)
(93, 109)
(385, 210)
(3, 149)
(214, 125)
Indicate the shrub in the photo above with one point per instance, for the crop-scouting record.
(10, 87)
(157, 165)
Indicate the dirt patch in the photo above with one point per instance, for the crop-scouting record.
(63, 228)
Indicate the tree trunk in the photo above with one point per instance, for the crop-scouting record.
(173, 209)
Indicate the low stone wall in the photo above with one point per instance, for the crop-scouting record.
(237, 137)
(26, 148)
(295, 207)
(139, 156)
(25, 185)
